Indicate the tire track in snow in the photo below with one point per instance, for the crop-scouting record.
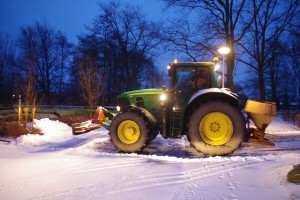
(36, 173)
(105, 166)
(65, 194)
(189, 176)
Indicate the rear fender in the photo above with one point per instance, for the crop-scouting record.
(203, 95)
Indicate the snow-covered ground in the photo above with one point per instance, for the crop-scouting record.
(58, 165)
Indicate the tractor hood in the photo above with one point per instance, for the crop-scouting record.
(147, 98)
(141, 93)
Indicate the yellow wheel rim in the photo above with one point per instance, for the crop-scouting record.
(216, 128)
(128, 132)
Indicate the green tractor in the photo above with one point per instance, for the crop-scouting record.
(193, 106)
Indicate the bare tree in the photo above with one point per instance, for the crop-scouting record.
(64, 51)
(270, 22)
(3, 55)
(91, 81)
(28, 88)
(273, 64)
(38, 42)
(286, 87)
(293, 58)
(7, 60)
(294, 47)
(131, 38)
(25, 80)
(217, 20)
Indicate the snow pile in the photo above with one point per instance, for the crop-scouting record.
(52, 131)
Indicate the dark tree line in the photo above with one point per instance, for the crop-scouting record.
(6, 64)
(126, 41)
(116, 55)
(117, 52)
(41, 60)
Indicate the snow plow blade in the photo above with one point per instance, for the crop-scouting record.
(99, 120)
(262, 114)
(83, 127)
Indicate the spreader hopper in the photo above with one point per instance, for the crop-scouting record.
(262, 114)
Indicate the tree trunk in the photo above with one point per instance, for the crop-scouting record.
(261, 82)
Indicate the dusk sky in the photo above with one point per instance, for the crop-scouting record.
(68, 16)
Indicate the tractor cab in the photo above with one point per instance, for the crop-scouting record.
(187, 79)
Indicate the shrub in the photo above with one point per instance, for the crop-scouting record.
(14, 129)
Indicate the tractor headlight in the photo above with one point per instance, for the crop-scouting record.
(118, 108)
(163, 97)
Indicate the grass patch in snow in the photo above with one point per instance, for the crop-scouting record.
(68, 113)
(294, 175)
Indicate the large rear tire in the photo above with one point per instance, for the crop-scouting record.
(129, 132)
(216, 128)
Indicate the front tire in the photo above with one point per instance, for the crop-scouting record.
(129, 132)
(216, 128)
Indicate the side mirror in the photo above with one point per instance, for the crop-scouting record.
(219, 81)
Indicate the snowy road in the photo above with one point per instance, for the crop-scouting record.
(63, 166)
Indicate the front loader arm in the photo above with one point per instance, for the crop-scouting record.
(103, 117)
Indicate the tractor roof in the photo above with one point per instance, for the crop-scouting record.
(192, 64)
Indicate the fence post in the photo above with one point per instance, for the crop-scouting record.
(33, 112)
(19, 109)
